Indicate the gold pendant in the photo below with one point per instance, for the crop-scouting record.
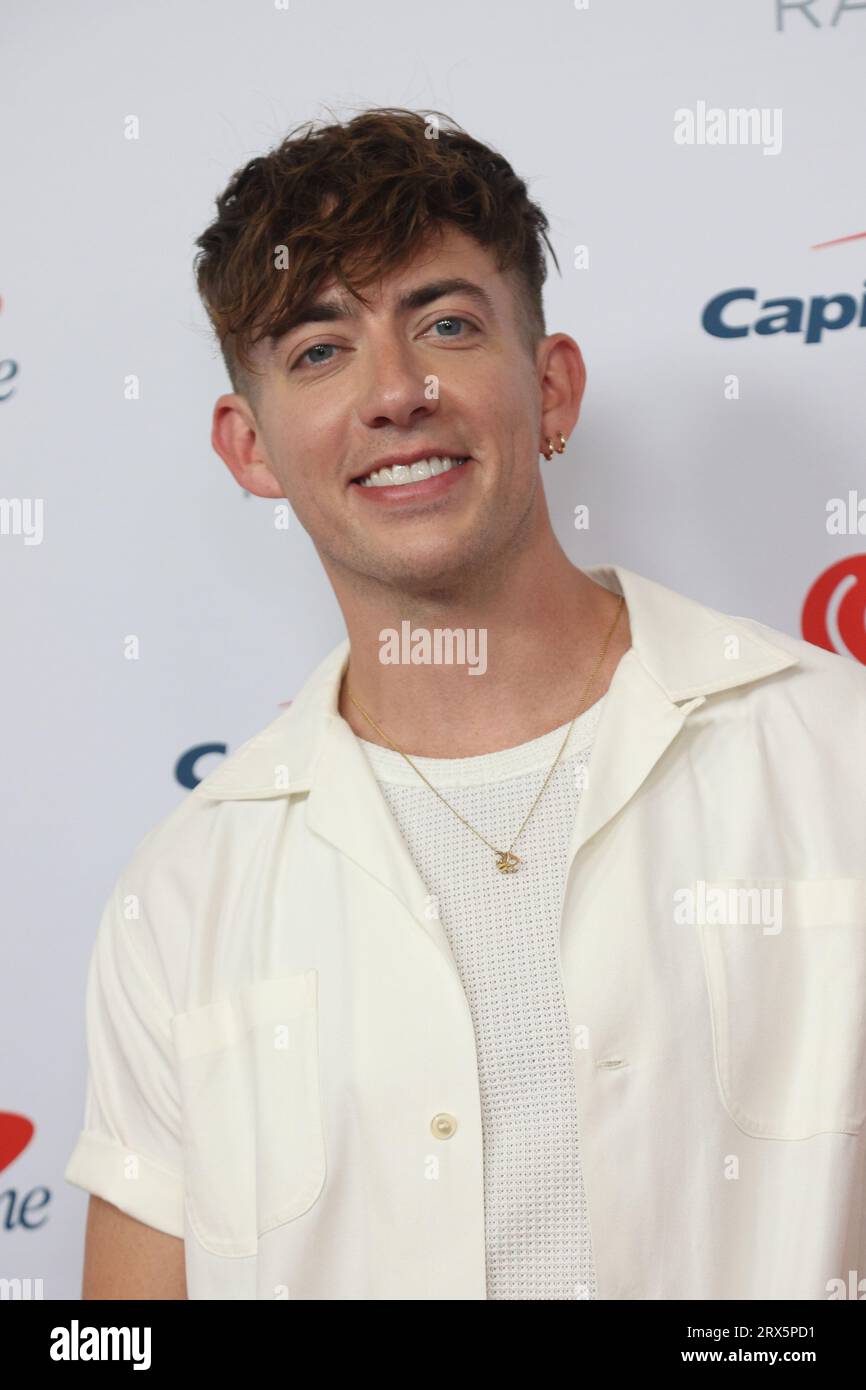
(506, 862)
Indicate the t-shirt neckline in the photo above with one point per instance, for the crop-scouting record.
(524, 758)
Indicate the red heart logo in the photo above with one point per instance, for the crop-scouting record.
(16, 1131)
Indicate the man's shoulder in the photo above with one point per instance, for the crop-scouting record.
(186, 830)
(815, 707)
(816, 668)
(192, 843)
(183, 872)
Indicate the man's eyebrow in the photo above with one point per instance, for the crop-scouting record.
(335, 310)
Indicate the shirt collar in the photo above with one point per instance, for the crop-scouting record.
(682, 645)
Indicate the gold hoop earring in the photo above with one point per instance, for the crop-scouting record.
(560, 447)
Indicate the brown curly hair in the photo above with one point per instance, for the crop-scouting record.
(354, 201)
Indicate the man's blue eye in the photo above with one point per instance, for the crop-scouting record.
(302, 362)
(450, 319)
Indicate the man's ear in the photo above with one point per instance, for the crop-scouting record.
(562, 376)
(235, 436)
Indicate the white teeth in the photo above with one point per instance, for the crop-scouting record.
(414, 473)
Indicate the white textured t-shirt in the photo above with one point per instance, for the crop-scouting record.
(503, 930)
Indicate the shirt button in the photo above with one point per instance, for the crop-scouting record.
(443, 1126)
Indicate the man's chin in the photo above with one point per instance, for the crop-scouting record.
(444, 576)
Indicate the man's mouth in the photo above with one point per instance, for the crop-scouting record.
(401, 474)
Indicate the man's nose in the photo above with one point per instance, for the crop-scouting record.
(395, 384)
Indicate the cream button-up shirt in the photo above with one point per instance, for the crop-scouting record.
(282, 1060)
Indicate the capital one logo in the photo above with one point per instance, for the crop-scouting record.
(186, 770)
(788, 314)
(834, 612)
(18, 1209)
(8, 369)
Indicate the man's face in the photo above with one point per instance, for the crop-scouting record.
(447, 377)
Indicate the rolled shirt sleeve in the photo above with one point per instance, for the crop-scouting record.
(129, 1151)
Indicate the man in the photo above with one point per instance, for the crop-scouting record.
(528, 965)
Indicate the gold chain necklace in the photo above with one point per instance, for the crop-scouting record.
(506, 860)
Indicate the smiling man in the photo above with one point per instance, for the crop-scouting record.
(405, 436)
(451, 988)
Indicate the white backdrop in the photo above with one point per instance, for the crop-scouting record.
(716, 487)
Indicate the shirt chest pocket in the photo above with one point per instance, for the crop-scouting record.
(254, 1149)
(785, 963)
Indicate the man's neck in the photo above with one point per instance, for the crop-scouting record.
(539, 639)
